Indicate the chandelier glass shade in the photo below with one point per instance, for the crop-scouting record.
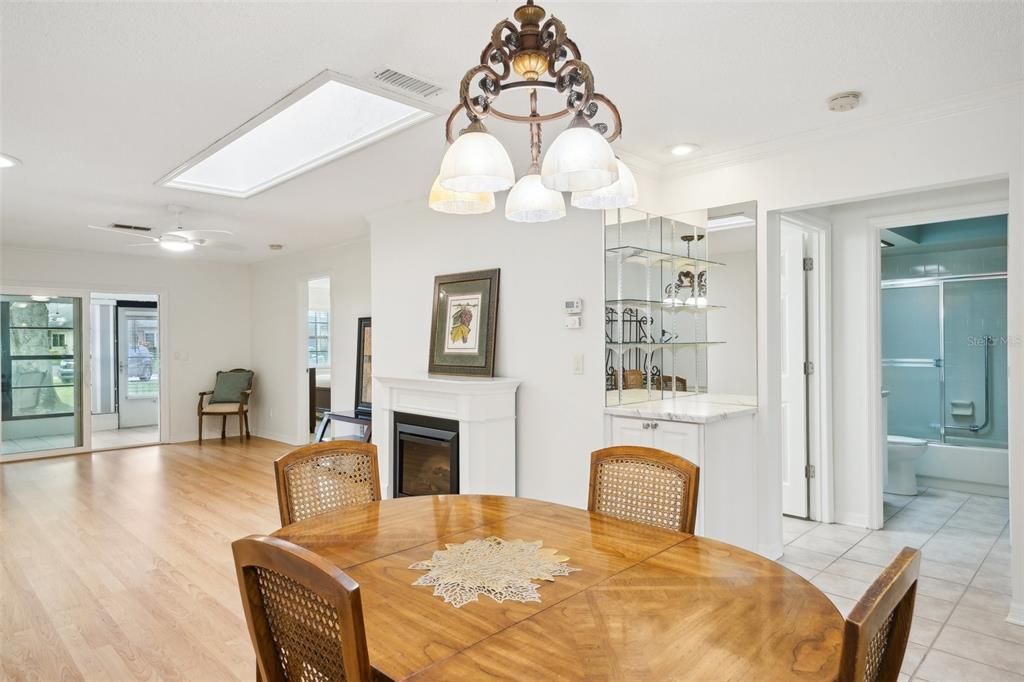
(620, 194)
(530, 201)
(580, 159)
(476, 162)
(459, 203)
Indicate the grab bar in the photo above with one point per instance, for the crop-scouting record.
(974, 428)
(911, 362)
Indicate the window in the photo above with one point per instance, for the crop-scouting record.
(57, 341)
(319, 338)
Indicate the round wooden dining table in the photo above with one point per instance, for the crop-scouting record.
(646, 604)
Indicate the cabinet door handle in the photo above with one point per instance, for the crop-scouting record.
(647, 425)
(654, 425)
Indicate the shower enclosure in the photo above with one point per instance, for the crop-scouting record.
(944, 359)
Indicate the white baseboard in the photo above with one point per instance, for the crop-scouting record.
(280, 438)
(857, 520)
(773, 551)
(1016, 614)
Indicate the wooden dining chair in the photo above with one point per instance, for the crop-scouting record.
(322, 477)
(632, 378)
(304, 614)
(645, 485)
(875, 637)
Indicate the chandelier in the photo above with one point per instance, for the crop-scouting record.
(579, 161)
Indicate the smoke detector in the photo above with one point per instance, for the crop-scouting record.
(844, 101)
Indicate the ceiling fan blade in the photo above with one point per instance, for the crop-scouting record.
(223, 246)
(199, 234)
(117, 230)
(155, 242)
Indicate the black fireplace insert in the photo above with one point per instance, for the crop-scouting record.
(425, 458)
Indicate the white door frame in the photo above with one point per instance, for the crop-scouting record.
(821, 501)
(84, 292)
(873, 328)
(302, 418)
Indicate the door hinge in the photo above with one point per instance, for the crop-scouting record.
(808, 367)
(808, 264)
(809, 471)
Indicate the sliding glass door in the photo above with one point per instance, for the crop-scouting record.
(40, 373)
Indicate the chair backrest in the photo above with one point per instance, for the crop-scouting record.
(877, 628)
(322, 477)
(632, 378)
(645, 485)
(304, 614)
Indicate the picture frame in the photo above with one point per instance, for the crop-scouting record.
(464, 323)
(364, 367)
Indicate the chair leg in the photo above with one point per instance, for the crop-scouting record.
(200, 429)
(223, 426)
(241, 427)
(247, 434)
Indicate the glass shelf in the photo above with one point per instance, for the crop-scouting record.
(678, 307)
(659, 346)
(649, 256)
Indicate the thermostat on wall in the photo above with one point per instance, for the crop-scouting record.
(574, 306)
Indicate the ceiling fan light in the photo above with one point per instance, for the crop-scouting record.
(176, 245)
(579, 160)
(459, 203)
(622, 193)
(476, 162)
(530, 201)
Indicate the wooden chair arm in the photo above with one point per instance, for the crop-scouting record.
(202, 395)
(246, 394)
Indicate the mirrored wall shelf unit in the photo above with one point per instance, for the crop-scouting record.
(659, 290)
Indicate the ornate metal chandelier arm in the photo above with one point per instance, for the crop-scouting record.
(535, 140)
(613, 111)
(479, 105)
(572, 73)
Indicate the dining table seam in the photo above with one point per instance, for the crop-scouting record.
(545, 608)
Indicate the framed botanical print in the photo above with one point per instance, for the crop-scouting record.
(464, 323)
(364, 367)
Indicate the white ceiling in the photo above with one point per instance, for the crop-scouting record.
(100, 100)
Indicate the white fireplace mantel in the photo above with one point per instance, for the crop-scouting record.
(485, 410)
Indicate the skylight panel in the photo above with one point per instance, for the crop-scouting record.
(321, 121)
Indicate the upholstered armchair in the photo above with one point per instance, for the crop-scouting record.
(230, 395)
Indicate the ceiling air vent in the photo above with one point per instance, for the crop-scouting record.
(403, 83)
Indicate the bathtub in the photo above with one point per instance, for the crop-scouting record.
(967, 468)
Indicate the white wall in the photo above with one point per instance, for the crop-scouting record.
(559, 420)
(279, 299)
(732, 366)
(203, 306)
(959, 142)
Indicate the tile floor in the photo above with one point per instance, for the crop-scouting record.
(959, 632)
(120, 438)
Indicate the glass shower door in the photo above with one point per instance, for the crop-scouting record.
(974, 332)
(912, 359)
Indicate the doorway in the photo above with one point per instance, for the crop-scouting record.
(125, 370)
(318, 351)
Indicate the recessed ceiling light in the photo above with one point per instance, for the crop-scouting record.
(7, 161)
(684, 149)
(322, 120)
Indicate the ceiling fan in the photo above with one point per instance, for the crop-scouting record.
(178, 239)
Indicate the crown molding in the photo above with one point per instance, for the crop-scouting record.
(950, 107)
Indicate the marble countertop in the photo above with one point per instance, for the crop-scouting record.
(695, 408)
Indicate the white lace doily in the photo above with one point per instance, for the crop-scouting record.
(500, 569)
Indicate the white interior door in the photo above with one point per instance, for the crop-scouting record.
(794, 380)
(138, 367)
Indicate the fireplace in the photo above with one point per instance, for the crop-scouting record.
(426, 455)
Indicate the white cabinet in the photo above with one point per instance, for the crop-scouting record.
(725, 452)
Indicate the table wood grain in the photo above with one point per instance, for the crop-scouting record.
(647, 604)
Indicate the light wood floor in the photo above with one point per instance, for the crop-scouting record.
(117, 565)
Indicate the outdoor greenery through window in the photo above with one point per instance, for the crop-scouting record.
(319, 338)
(38, 356)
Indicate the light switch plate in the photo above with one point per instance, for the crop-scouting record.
(577, 363)
(573, 321)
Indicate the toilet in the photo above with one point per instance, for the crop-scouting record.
(902, 452)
